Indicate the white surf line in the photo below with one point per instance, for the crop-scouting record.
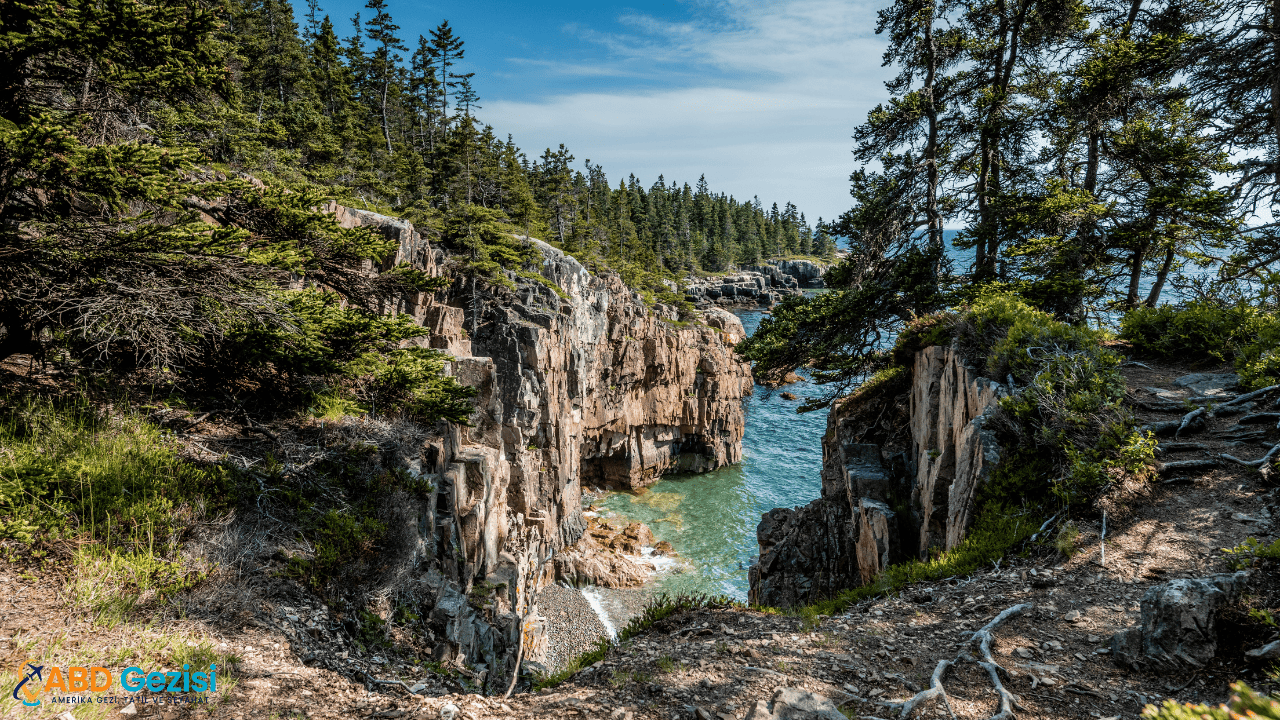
(593, 599)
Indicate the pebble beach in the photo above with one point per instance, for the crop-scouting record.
(573, 626)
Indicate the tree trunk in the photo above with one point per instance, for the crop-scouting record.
(1135, 277)
(931, 148)
(1154, 296)
(386, 84)
(1275, 82)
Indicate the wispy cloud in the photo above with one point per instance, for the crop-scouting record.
(762, 97)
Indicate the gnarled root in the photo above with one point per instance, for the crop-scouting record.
(981, 641)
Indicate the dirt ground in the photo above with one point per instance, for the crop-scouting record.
(717, 664)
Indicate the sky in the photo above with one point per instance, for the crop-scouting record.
(761, 97)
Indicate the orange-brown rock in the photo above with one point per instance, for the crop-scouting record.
(578, 381)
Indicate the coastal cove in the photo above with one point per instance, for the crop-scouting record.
(710, 518)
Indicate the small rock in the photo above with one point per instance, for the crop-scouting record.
(1024, 653)
(1270, 651)
(1048, 681)
(448, 712)
(1053, 645)
(703, 714)
(129, 709)
(1073, 616)
(1093, 638)
(418, 688)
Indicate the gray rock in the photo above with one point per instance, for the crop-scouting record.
(1177, 627)
(1270, 651)
(1208, 383)
(793, 704)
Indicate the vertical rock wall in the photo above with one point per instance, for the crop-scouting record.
(878, 508)
(578, 383)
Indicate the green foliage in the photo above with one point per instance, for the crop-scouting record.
(838, 333)
(1071, 406)
(356, 355)
(1249, 552)
(339, 511)
(1210, 332)
(67, 470)
(1244, 703)
(115, 483)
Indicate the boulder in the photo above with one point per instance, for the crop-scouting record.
(1208, 383)
(1177, 626)
(793, 704)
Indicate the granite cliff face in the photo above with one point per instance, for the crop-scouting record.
(577, 384)
(755, 285)
(883, 504)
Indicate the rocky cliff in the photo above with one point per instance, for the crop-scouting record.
(578, 383)
(756, 285)
(887, 502)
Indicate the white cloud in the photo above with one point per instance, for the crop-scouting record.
(762, 97)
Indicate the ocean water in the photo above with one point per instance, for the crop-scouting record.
(710, 519)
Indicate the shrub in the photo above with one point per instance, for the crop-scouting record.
(1247, 553)
(1208, 332)
(345, 359)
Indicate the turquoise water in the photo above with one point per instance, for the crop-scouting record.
(711, 519)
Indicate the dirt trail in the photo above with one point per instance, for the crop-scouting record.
(717, 664)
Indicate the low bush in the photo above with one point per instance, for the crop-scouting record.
(1209, 333)
(342, 359)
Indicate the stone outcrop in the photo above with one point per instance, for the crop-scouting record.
(607, 556)
(1177, 626)
(952, 451)
(879, 507)
(578, 384)
(755, 285)
(843, 539)
(805, 274)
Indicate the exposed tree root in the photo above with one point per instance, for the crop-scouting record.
(1249, 396)
(1254, 463)
(1186, 420)
(981, 641)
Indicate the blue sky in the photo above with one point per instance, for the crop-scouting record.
(762, 97)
